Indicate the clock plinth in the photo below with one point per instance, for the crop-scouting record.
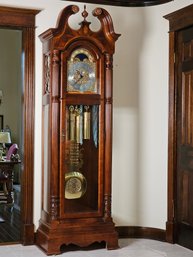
(51, 239)
(77, 134)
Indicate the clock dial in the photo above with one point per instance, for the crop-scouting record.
(81, 74)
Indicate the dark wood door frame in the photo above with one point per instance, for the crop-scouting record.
(178, 20)
(24, 20)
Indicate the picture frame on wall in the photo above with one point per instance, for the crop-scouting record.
(1, 122)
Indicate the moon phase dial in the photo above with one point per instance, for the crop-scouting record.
(81, 72)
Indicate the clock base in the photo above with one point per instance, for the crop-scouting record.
(51, 237)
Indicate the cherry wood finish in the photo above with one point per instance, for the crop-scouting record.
(86, 220)
(179, 226)
(24, 20)
(180, 19)
(130, 3)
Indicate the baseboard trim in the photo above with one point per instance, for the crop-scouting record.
(141, 232)
(138, 232)
(28, 234)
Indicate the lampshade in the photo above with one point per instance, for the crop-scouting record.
(5, 138)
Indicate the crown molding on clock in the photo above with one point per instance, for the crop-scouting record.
(126, 3)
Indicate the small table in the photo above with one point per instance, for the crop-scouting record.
(6, 177)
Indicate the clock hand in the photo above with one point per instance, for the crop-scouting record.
(79, 78)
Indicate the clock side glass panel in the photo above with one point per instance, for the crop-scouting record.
(81, 159)
(81, 72)
(45, 124)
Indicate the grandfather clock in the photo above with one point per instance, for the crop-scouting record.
(77, 134)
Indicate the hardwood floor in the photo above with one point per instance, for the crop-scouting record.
(10, 228)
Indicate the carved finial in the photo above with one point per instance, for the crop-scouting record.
(97, 12)
(84, 13)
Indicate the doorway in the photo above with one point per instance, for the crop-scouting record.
(184, 166)
(179, 227)
(23, 20)
(11, 109)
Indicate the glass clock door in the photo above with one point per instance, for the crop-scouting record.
(81, 158)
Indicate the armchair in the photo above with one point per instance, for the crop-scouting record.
(12, 150)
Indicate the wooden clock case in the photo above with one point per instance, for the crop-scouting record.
(86, 220)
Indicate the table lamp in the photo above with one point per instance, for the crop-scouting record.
(4, 139)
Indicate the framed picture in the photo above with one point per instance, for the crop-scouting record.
(1, 122)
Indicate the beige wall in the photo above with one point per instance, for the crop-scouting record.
(10, 80)
(140, 108)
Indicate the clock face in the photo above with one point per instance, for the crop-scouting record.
(81, 72)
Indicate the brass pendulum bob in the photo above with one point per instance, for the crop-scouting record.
(75, 182)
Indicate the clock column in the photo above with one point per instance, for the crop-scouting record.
(54, 138)
(108, 136)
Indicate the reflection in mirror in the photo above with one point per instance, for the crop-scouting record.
(11, 86)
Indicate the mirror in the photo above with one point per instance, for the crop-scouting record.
(11, 88)
(11, 84)
(23, 20)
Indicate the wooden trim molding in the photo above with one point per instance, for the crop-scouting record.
(172, 125)
(28, 174)
(126, 3)
(141, 232)
(178, 20)
(24, 20)
(17, 17)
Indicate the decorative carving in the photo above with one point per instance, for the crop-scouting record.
(107, 206)
(64, 16)
(84, 13)
(105, 18)
(75, 9)
(109, 100)
(56, 57)
(54, 204)
(98, 11)
(47, 74)
(106, 32)
(109, 61)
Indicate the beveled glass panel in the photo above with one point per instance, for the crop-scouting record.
(46, 157)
